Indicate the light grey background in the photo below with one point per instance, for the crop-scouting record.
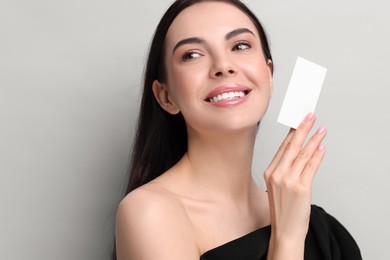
(70, 74)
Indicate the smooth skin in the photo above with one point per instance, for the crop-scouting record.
(209, 197)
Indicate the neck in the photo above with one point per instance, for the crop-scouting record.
(221, 165)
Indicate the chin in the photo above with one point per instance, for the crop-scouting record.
(228, 122)
(233, 125)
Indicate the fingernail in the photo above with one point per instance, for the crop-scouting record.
(321, 130)
(321, 147)
(309, 117)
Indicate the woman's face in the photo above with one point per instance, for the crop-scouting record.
(217, 75)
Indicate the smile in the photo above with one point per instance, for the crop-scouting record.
(228, 96)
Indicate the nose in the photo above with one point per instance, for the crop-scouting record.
(222, 67)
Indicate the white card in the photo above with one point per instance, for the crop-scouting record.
(302, 92)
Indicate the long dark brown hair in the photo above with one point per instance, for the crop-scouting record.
(161, 138)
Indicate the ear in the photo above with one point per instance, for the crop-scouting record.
(271, 72)
(161, 94)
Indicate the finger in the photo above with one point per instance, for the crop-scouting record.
(308, 151)
(281, 150)
(294, 147)
(312, 166)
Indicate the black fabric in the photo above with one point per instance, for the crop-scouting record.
(326, 239)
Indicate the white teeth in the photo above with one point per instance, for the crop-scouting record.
(227, 95)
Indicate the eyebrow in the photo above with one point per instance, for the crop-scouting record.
(197, 40)
(193, 40)
(237, 32)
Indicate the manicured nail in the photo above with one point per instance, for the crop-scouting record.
(321, 147)
(321, 130)
(309, 117)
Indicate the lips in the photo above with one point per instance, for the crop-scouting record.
(227, 93)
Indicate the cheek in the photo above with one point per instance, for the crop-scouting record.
(258, 71)
(186, 83)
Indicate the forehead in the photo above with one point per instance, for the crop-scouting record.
(207, 19)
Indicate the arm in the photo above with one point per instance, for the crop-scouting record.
(150, 226)
(289, 183)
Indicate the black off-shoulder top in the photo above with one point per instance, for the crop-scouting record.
(327, 239)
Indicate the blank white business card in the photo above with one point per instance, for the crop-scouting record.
(302, 92)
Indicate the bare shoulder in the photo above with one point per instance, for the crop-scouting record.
(152, 203)
(152, 223)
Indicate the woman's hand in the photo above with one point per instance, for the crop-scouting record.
(289, 183)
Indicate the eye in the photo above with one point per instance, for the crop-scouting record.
(241, 46)
(190, 55)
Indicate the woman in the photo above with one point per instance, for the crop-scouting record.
(191, 194)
